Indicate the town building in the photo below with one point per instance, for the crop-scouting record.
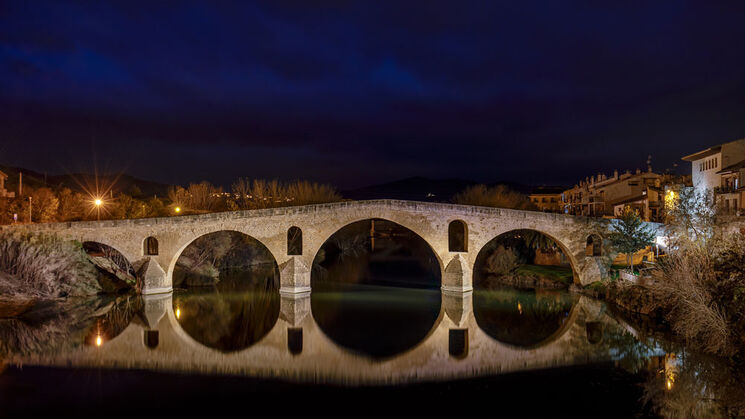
(721, 170)
(547, 199)
(3, 192)
(607, 196)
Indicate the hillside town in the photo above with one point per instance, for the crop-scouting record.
(718, 169)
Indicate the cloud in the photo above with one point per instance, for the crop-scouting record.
(547, 90)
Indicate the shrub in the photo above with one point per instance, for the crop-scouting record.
(44, 266)
(685, 281)
(503, 261)
(499, 196)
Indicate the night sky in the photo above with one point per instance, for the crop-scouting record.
(356, 93)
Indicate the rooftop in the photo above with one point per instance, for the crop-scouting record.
(732, 167)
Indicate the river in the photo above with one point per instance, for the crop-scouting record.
(376, 332)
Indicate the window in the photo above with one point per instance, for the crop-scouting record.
(151, 246)
(457, 236)
(294, 241)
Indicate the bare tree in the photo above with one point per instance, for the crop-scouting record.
(499, 196)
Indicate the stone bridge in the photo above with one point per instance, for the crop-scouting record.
(153, 245)
(297, 349)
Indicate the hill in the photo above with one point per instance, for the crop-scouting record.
(421, 189)
(81, 182)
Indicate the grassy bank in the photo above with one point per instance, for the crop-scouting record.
(559, 274)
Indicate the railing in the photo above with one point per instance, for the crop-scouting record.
(724, 189)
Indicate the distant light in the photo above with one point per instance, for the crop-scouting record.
(178, 313)
(98, 202)
(177, 209)
(669, 384)
(99, 341)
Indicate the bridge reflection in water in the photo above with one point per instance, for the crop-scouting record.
(459, 345)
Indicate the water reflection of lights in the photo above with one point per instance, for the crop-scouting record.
(519, 307)
(99, 341)
(671, 370)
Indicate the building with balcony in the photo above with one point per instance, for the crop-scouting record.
(721, 170)
(607, 196)
(547, 199)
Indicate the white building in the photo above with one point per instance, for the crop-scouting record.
(720, 169)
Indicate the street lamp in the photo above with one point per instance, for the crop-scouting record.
(98, 202)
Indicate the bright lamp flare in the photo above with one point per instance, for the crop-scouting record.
(98, 202)
(99, 341)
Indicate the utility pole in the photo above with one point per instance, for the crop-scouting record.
(29, 210)
(20, 184)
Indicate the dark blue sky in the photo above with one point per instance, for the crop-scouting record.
(361, 92)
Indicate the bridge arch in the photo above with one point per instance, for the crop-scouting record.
(236, 311)
(193, 237)
(573, 262)
(364, 291)
(101, 248)
(549, 331)
(329, 232)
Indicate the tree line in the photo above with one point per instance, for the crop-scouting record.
(61, 204)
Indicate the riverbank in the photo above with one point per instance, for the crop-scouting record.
(534, 276)
(35, 268)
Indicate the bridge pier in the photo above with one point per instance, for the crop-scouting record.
(155, 308)
(293, 308)
(458, 306)
(294, 277)
(153, 279)
(457, 276)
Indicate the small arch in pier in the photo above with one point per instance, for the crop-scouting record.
(594, 332)
(150, 246)
(294, 241)
(457, 236)
(594, 245)
(151, 339)
(295, 340)
(458, 343)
